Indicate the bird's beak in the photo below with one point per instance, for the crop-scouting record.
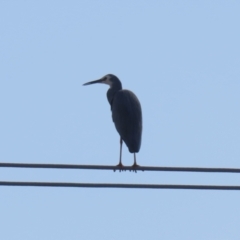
(102, 80)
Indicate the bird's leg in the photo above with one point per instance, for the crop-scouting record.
(120, 158)
(120, 165)
(135, 165)
(135, 161)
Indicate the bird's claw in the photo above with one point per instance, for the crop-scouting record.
(134, 168)
(119, 167)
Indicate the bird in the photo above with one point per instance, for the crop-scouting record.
(126, 115)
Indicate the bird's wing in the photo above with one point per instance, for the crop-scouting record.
(127, 117)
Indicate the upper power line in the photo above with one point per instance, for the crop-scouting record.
(114, 168)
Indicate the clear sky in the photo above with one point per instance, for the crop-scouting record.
(182, 60)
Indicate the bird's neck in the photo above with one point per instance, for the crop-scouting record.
(112, 91)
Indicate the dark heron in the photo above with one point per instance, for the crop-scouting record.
(126, 114)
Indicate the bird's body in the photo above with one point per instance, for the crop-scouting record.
(127, 117)
(126, 114)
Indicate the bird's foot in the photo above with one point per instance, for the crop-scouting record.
(134, 167)
(119, 167)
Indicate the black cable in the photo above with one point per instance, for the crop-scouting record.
(108, 167)
(118, 185)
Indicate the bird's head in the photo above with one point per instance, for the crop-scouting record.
(108, 79)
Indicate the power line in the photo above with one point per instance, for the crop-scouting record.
(118, 185)
(114, 168)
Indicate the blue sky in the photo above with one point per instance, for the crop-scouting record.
(181, 58)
